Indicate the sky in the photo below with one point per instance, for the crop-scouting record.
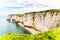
(22, 6)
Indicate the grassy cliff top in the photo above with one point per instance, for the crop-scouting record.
(20, 15)
(50, 10)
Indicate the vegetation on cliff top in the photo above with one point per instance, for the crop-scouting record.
(20, 15)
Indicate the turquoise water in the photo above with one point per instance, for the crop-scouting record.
(10, 27)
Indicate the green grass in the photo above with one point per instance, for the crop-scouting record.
(53, 34)
(20, 15)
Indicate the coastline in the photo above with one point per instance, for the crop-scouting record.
(35, 22)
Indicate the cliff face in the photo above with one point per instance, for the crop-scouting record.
(43, 20)
(28, 19)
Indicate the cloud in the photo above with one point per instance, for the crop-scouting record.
(22, 6)
(30, 3)
(13, 3)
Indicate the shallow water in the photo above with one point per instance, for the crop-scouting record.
(8, 27)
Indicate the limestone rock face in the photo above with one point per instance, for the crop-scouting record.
(20, 19)
(48, 18)
(9, 16)
(42, 21)
(28, 19)
(55, 21)
(37, 19)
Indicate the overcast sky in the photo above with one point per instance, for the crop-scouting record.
(21, 6)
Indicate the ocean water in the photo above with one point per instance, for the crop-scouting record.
(10, 27)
